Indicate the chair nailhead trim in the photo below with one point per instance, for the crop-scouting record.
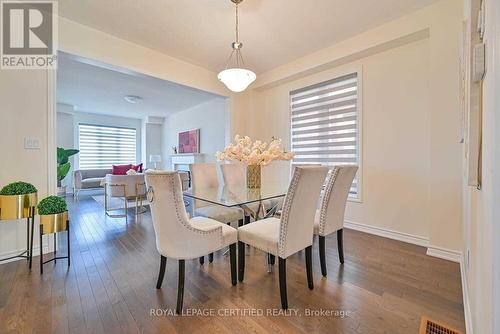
(326, 199)
(286, 212)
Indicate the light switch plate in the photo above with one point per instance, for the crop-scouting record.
(31, 143)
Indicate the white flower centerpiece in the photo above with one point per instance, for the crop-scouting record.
(254, 154)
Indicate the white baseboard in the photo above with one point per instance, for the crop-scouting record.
(465, 295)
(383, 232)
(36, 252)
(443, 253)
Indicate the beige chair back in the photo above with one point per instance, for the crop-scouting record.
(175, 236)
(299, 209)
(234, 175)
(203, 175)
(334, 198)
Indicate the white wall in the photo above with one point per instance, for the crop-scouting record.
(152, 142)
(212, 118)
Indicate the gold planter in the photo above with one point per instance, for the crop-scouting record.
(54, 223)
(253, 176)
(14, 207)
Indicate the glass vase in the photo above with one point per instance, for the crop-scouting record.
(253, 176)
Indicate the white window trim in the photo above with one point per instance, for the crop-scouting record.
(348, 70)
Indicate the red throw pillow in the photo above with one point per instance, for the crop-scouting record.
(121, 169)
(137, 168)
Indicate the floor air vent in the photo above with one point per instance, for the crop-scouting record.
(428, 326)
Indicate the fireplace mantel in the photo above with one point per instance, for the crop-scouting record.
(183, 160)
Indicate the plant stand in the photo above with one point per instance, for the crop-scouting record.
(20, 207)
(53, 224)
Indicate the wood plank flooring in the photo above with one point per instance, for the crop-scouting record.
(385, 286)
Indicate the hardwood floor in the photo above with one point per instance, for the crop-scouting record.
(385, 286)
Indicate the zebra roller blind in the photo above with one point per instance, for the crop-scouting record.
(324, 124)
(104, 146)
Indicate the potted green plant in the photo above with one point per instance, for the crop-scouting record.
(63, 167)
(53, 212)
(16, 200)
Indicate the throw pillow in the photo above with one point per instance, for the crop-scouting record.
(137, 168)
(120, 169)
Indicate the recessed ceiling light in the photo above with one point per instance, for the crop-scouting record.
(132, 98)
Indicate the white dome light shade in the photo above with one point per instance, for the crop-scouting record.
(237, 79)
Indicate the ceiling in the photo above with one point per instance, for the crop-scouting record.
(274, 32)
(96, 88)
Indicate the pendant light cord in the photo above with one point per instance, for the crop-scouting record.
(236, 50)
(237, 23)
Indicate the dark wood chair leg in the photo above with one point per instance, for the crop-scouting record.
(241, 261)
(340, 244)
(211, 257)
(322, 256)
(202, 260)
(282, 275)
(232, 258)
(309, 269)
(180, 288)
(163, 264)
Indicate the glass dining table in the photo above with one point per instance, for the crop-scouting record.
(243, 197)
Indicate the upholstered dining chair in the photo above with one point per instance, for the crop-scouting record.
(126, 187)
(291, 233)
(179, 237)
(204, 175)
(329, 217)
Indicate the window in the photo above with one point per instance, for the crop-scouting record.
(104, 146)
(325, 124)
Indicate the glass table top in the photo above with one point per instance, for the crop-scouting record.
(237, 195)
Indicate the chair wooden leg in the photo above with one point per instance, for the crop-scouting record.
(211, 257)
(282, 277)
(180, 288)
(241, 261)
(232, 258)
(322, 256)
(163, 264)
(340, 244)
(309, 269)
(202, 260)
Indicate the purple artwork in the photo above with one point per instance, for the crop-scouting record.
(189, 141)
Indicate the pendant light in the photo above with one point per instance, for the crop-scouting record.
(237, 79)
